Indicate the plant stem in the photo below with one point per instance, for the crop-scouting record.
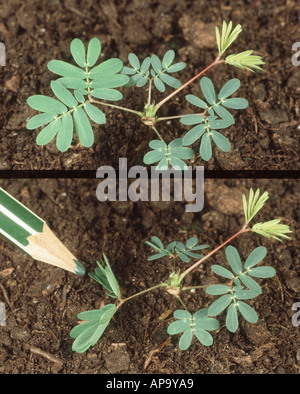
(176, 116)
(143, 292)
(154, 128)
(243, 230)
(149, 93)
(216, 61)
(181, 302)
(91, 100)
(193, 287)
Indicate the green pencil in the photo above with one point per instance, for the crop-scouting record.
(31, 234)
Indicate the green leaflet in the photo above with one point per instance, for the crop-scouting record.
(65, 133)
(254, 204)
(227, 36)
(222, 142)
(208, 90)
(255, 257)
(63, 94)
(234, 259)
(64, 69)
(108, 67)
(40, 120)
(89, 332)
(83, 128)
(183, 251)
(94, 113)
(93, 52)
(229, 88)
(107, 94)
(189, 325)
(232, 322)
(139, 72)
(205, 147)
(48, 133)
(46, 104)
(78, 52)
(104, 275)
(172, 155)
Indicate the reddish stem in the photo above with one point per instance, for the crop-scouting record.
(243, 230)
(217, 61)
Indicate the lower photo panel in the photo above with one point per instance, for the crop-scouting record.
(147, 287)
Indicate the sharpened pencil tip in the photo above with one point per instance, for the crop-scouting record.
(79, 270)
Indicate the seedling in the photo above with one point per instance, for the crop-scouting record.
(240, 283)
(81, 88)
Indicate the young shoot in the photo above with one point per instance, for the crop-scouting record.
(240, 282)
(83, 90)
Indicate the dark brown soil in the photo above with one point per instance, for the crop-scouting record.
(265, 135)
(42, 302)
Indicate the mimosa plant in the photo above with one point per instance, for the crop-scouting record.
(82, 88)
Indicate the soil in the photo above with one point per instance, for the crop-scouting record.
(266, 134)
(42, 302)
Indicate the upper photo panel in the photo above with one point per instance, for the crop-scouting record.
(161, 83)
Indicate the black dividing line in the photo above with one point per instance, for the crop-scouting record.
(208, 174)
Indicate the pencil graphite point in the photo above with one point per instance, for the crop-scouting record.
(79, 270)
